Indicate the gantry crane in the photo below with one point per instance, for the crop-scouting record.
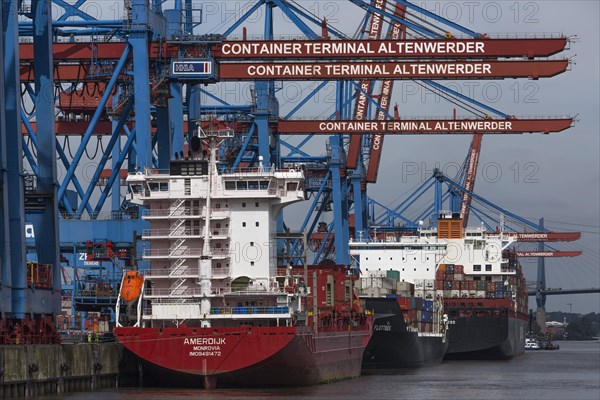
(125, 78)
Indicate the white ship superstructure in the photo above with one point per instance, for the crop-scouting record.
(211, 242)
(417, 257)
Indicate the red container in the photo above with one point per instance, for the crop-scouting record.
(449, 276)
(458, 269)
(405, 303)
(412, 315)
(439, 285)
(456, 285)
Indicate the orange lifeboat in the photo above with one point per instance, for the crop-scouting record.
(131, 286)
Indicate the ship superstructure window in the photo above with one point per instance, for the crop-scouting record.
(256, 204)
(243, 224)
(488, 267)
(189, 168)
(257, 223)
(292, 186)
(252, 185)
(264, 185)
(243, 204)
(229, 185)
(477, 267)
(136, 188)
(242, 185)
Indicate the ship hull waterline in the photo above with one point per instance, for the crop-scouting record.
(392, 346)
(248, 357)
(478, 337)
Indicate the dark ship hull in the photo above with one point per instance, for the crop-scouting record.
(392, 346)
(491, 337)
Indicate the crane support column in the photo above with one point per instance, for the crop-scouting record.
(141, 78)
(5, 275)
(360, 206)
(47, 239)
(14, 161)
(340, 204)
(115, 191)
(175, 103)
(540, 297)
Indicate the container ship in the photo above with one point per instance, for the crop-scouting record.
(480, 281)
(214, 309)
(410, 328)
(485, 292)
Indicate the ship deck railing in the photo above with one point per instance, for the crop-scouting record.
(168, 293)
(249, 310)
(186, 212)
(233, 312)
(195, 232)
(216, 253)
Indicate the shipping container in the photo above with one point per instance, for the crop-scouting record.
(377, 273)
(458, 269)
(393, 274)
(405, 287)
(405, 303)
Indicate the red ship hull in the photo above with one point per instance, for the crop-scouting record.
(245, 356)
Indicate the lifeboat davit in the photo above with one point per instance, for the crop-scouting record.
(131, 286)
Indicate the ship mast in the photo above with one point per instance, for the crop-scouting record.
(206, 257)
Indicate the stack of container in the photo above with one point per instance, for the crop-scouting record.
(454, 284)
(417, 301)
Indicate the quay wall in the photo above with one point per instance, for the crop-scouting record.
(36, 370)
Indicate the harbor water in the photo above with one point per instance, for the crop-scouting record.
(573, 372)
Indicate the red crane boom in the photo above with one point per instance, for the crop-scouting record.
(548, 253)
(547, 236)
(471, 174)
(362, 100)
(398, 31)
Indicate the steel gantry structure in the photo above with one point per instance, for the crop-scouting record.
(135, 83)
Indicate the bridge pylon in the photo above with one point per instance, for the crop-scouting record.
(540, 318)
